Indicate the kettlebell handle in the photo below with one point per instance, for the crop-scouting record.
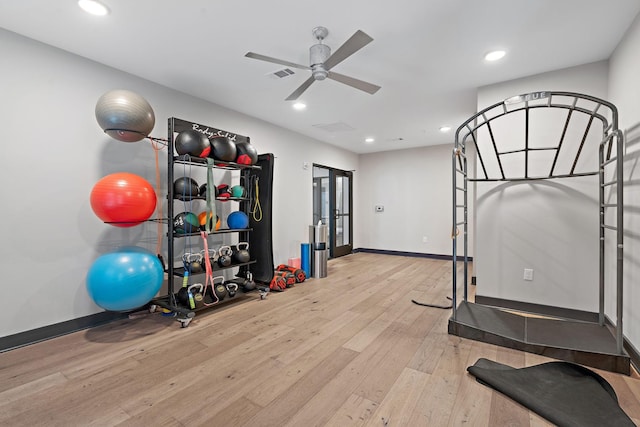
(200, 286)
(213, 254)
(244, 246)
(225, 250)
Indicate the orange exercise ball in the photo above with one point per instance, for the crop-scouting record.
(202, 218)
(123, 199)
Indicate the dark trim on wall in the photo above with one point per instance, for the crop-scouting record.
(567, 313)
(411, 254)
(33, 336)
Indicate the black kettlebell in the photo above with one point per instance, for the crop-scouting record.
(183, 296)
(216, 292)
(192, 262)
(248, 285)
(195, 264)
(195, 294)
(212, 255)
(232, 288)
(195, 267)
(224, 258)
(241, 255)
(220, 290)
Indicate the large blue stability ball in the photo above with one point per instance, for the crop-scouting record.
(125, 279)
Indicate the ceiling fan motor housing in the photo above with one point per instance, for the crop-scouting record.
(318, 53)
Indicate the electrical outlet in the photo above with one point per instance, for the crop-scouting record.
(528, 274)
(379, 208)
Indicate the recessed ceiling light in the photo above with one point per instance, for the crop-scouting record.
(444, 129)
(299, 106)
(495, 55)
(93, 7)
(369, 140)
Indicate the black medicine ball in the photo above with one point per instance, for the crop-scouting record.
(193, 143)
(246, 154)
(222, 148)
(186, 187)
(185, 223)
(203, 190)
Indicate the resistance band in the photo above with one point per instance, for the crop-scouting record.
(211, 217)
(209, 280)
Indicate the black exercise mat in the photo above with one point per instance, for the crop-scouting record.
(564, 393)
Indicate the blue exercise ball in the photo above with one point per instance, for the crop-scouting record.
(125, 279)
(237, 220)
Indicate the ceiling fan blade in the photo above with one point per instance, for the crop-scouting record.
(355, 83)
(276, 61)
(304, 86)
(351, 46)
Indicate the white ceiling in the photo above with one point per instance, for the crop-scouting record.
(427, 54)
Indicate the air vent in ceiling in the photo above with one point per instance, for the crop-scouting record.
(335, 127)
(285, 72)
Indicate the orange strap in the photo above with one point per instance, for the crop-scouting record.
(209, 272)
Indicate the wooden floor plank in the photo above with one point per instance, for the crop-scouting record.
(356, 411)
(281, 411)
(287, 374)
(473, 400)
(435, 404)
(401, 400)
(238, 413)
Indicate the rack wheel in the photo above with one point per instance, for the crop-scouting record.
(185, 322)
(263, 294)
(153, 308)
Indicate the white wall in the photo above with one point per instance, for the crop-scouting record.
(53, 152)
(548, 226)
(414, 186)
(624, 91)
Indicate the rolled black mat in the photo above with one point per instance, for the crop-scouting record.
(564, 393)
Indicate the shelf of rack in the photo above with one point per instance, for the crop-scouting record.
(179, 271)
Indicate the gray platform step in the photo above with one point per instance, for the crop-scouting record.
(580, 342)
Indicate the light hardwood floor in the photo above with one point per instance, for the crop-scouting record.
(347, 350)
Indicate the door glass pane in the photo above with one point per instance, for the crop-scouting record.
(340, 231)
(339, 190)
(320, 195)
(339, 211)
(345, 209)
(345, 195)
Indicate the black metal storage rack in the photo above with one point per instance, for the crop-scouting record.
(169, 301)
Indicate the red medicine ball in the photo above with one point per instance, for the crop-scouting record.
(222, 148)
(193, 143)
(246, 154)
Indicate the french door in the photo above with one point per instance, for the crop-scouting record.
(333, 205)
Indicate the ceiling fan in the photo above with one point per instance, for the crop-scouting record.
(322, 61)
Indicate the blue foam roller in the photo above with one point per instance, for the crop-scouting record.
(305, 258)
